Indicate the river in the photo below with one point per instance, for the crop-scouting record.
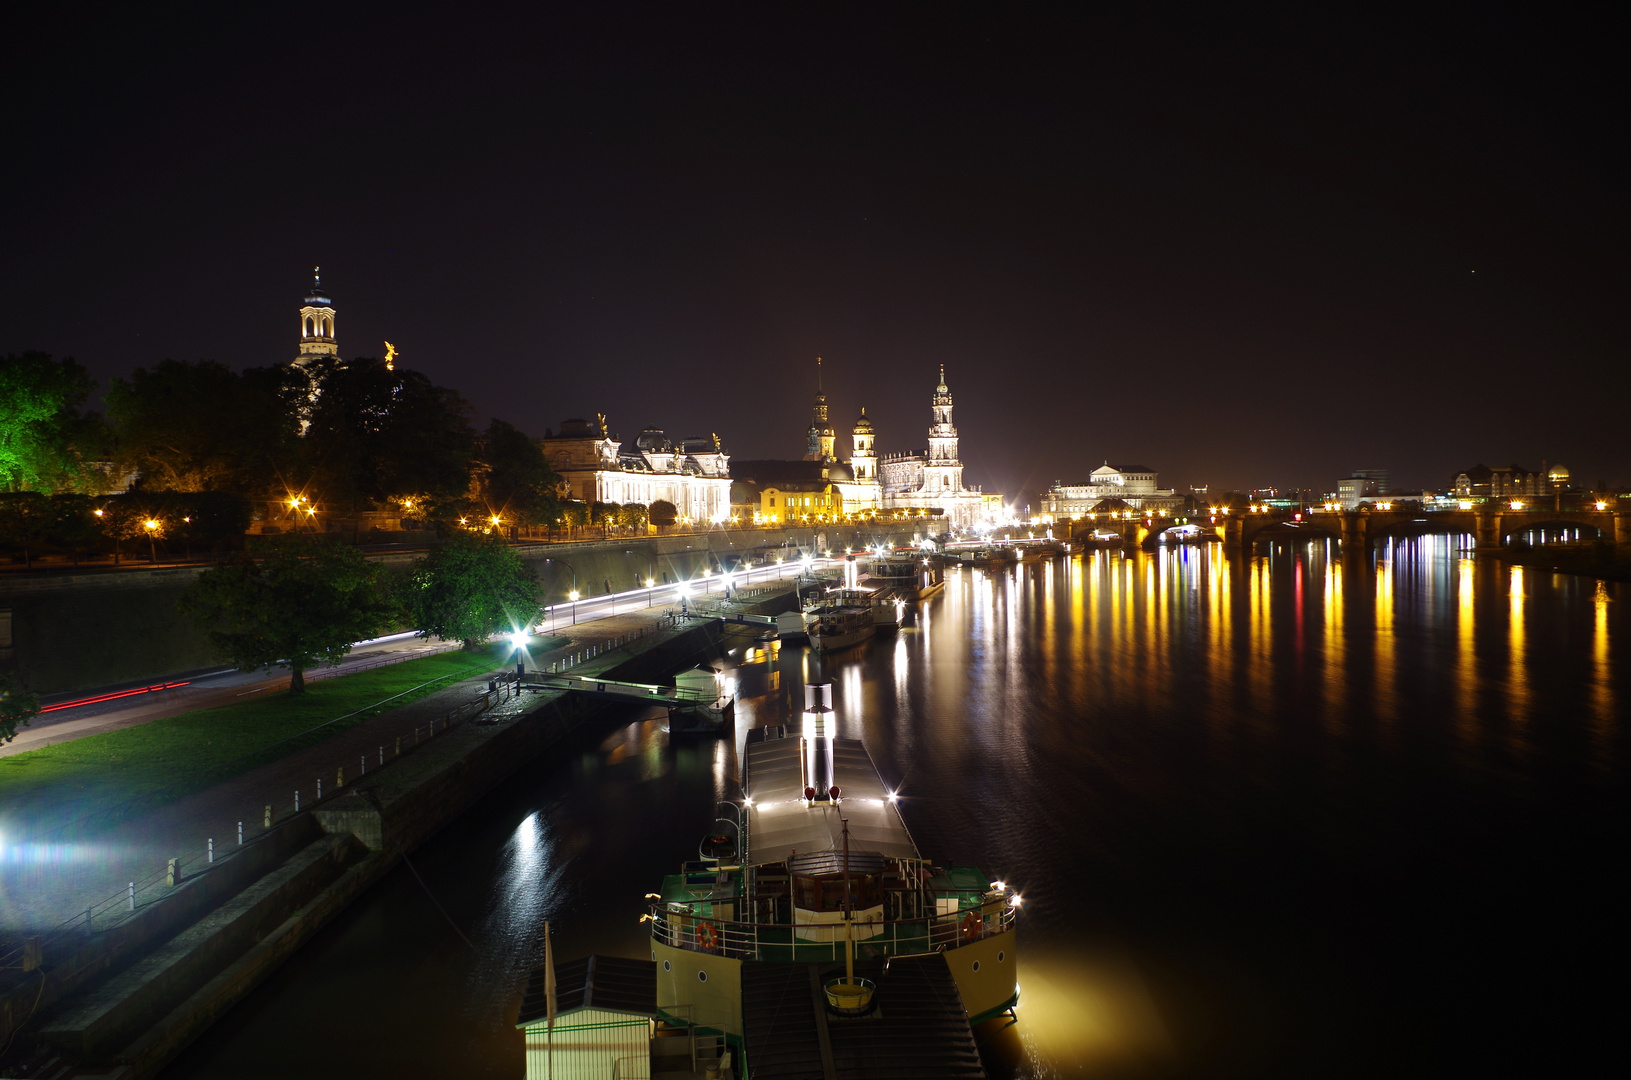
(1277, 815)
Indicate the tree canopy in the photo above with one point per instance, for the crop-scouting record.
(46, 443)
(303, 603)
(469, 589)
(662, 513)
(378, 434)
(518, 483)
(203, 427)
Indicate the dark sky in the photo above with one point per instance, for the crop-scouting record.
(1235, 248)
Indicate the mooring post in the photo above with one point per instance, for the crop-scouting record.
(132, 896)
(297, 800)
(382, 755)
(172, 872)
(319, 789)
(212, 848)
(269, 809)
(339, 776)
(240, 834)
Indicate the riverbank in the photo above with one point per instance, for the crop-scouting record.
(134, 993)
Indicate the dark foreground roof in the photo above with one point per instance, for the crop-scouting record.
(919, 1030)
(594, 982)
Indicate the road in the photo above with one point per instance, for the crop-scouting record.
(70, 720)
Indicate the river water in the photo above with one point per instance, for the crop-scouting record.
(1277, 815)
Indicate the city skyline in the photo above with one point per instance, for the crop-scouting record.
(1189, 246)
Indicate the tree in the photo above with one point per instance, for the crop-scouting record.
(26, 519)
(302, 603)
(203, 427)
(469, 589)
(518, 484)
(662, 513)
(46, 443)
(17, 706)
(383, 435)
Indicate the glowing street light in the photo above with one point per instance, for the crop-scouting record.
(573, 596)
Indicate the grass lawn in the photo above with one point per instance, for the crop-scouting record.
(103, 779)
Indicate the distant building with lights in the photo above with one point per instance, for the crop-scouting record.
(596, 466)
(316, 324)
(1134, 487)
(1506, 481)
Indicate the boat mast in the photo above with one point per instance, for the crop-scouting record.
(849, 914)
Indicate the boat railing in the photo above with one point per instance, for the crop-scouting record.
(680, 927)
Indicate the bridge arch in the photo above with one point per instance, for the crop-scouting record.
(1586, 525)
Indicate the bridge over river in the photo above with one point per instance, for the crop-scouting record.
(1491, 525)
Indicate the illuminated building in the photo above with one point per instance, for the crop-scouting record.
(932, 479)
(1134, 486)
(316, 324)
(595, 466)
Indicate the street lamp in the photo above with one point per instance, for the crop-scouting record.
(152, 528)
(650, 584)
(573, 596)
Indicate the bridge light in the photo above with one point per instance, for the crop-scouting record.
(1466, 504)
(1516, 504)
(1599, 504)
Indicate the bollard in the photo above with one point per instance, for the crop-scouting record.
(132, 896)
(362, 764)
(269, 810)
(399, 746)
(212, 849)
(172, 872)
(240, 834)
(339, 776)
(382, 755)
(297, 800)
(319, 789)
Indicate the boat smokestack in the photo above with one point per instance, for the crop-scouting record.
(818, 740)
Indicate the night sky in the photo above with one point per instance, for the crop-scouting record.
(1234, 248)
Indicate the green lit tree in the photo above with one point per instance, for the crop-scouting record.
(46, 443)
(469, 589)
(17, 706)
(303, 603)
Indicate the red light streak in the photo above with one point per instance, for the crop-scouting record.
(111, 697)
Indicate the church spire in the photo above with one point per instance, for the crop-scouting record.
(820, 439)
(316, 322)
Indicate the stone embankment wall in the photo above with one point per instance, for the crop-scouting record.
(82, 631)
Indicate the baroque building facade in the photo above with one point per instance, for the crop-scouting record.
(596, 466)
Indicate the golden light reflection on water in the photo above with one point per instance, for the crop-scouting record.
(1387, 673)
(1602, 691)
(1336, 644)
(1080, 1013)
(1466, 651)
(1517, 661)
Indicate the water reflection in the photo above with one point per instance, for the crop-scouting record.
(1264, 809)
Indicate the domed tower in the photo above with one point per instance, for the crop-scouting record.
(1558, 477)
(864, 462)
(316, 323)
(821, 441)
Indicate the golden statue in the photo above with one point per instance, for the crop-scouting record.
(717, 447)
(600, 418)
(390, 357)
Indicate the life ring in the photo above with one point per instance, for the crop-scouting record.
(972, 925)
(707, 936)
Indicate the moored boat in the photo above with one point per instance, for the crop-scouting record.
(830, 914)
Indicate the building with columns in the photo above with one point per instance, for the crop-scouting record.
(1135, 486)
(596, 466)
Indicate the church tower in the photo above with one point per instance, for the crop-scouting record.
(821, 441)
(864, 464)
(942, 471)
(316, 323)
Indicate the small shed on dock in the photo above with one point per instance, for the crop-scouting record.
(605, 1007)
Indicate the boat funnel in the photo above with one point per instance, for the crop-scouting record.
(818, 741)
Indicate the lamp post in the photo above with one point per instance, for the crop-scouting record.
(573, 596)
(152, 528)
(650, 584)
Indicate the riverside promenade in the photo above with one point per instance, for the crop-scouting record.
(46, 884)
